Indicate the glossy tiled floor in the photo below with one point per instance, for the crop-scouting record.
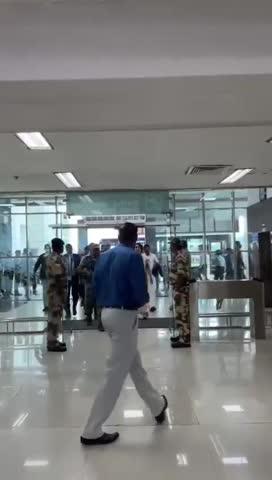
(219, 420)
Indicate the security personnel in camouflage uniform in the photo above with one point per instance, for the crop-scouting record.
(180, 277)
(57, 292)
(86, 271)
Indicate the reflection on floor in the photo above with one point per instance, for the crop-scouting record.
(19, 307)
(218, 423)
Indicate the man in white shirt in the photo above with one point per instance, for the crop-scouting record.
(150, 261)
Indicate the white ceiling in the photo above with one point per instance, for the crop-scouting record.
(131, 93)
(137, 159)
(63, 39)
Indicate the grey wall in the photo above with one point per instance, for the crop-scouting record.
(259, 214)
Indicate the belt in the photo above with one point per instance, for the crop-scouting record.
(119, 307)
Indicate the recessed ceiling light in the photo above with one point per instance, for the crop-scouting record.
(236, 175)
(34, 140)
(68, 179)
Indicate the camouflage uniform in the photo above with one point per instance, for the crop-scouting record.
(179, 278)
(86, 271)
(57, 293)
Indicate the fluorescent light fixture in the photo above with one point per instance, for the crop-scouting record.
(235, 460)
(68, 179)
(36, 463)
(133, 413)
(233, 408)
(236, 175)
(182, 459)
(20, 420)
(34, 140)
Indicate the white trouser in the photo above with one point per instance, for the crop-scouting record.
(44, 288)
(151, 287)
(122, 327)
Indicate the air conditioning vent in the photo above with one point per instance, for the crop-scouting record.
(206, 169)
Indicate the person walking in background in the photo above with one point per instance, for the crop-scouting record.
(150, 261)
(33, 280)
(229, 264)
(202, 274)
(81, 281)
(86, 271)
(239, 261)
(180, 275)
(57, 295)
(40, 266)
(1, 274)
(139, 248)
(25, 272)
(121, 290)
(219, 272)
(8, 274)
(72, 261)
(17, 272)
(219, 265)
(144, 313)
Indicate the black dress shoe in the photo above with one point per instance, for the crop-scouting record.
(180, 344)
(101, 328)
(161, 417)
(103, 440)
(153, 309)
(175, 339)
(56, 347)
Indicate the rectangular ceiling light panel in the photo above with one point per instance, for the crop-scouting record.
(68, 179)
(34, 140)
(236, 175)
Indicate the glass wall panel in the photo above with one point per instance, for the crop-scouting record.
(218, 207)
(209, 221)
(40, 231)
(41, 204)
(12, 256)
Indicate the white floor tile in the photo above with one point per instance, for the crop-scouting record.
(218, 423)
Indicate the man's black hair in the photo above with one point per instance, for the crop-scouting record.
(176, 243)
(57, 244)
(140, 246)
(128, 233)
(184, 244)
